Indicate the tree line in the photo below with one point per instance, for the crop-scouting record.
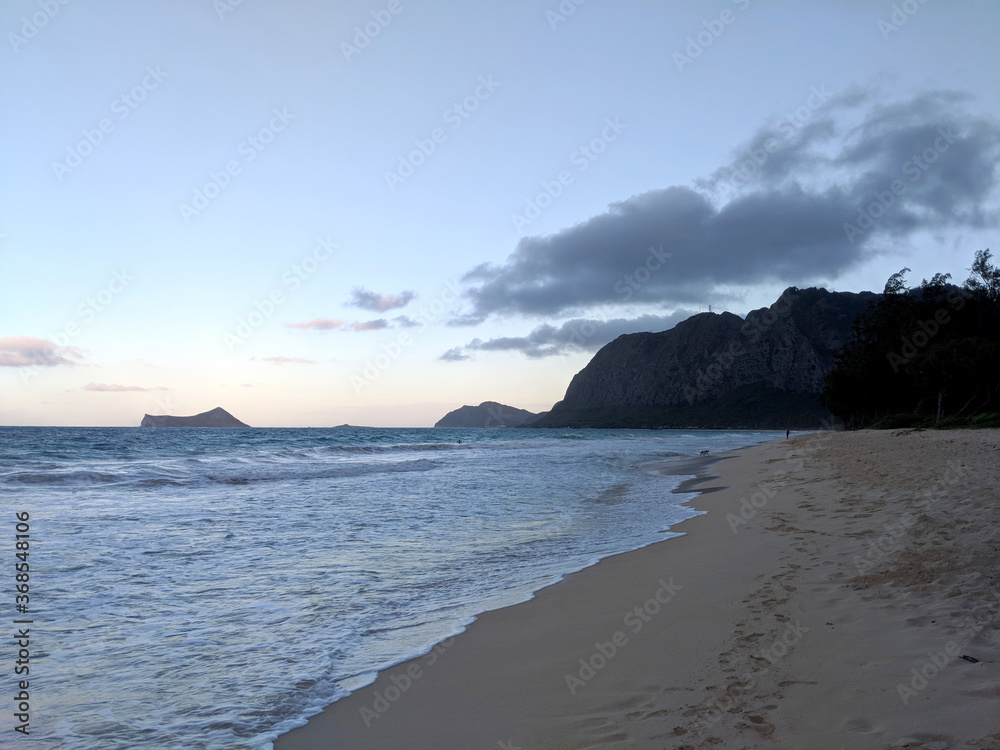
(923, 356)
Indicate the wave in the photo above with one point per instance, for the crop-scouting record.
(265, 474)
(395, 448)
(67, 477)
(232, 475)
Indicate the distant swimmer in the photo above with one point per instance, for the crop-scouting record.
(459, 442)
(703, 453)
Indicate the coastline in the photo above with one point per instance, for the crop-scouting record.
(769, 606)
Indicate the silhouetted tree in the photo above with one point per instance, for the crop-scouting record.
(930, 352)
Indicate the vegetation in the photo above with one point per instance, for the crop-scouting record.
(926, 356)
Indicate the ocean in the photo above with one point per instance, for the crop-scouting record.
(213, 588)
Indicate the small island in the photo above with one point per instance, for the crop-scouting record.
(217, 417)
(487, 414)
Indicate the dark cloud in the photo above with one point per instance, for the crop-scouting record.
(819, 202)
(580, 334)
(368, 300)
(371, 325)
(454, 355)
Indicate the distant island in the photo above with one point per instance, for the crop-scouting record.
(217, 417)
(487, 414)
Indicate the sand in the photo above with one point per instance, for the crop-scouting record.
(824, 601)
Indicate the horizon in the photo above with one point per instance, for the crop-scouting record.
(313, 216)
(448, 409)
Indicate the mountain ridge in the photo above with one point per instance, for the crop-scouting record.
(766, 370)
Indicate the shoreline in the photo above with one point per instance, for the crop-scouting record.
(732, 633)
(695, 468)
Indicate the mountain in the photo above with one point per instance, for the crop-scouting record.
(487, 414)
(718, 370)
(217, 417)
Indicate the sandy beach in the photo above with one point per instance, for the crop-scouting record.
(842, 591)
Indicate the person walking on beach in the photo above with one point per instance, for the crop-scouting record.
(787, 433)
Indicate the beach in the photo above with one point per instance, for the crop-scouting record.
(841, 591)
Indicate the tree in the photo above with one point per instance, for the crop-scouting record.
(896, 284)
(924, 354)
(985, 277)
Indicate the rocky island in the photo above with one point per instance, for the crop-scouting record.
(217, 417)
(487, 414)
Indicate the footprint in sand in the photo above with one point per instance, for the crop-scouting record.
(762, 725)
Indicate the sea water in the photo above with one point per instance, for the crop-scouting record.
(213, 588)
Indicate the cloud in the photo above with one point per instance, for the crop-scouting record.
(371, 325)
(26, 351)
(366, 300)
(330, 324)
(580, 334)
(115, 388)
(319, 324)
(787, 221)
(288, 360)
(454, 355)
(404, 321)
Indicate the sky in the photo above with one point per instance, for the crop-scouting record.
(316, 213)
